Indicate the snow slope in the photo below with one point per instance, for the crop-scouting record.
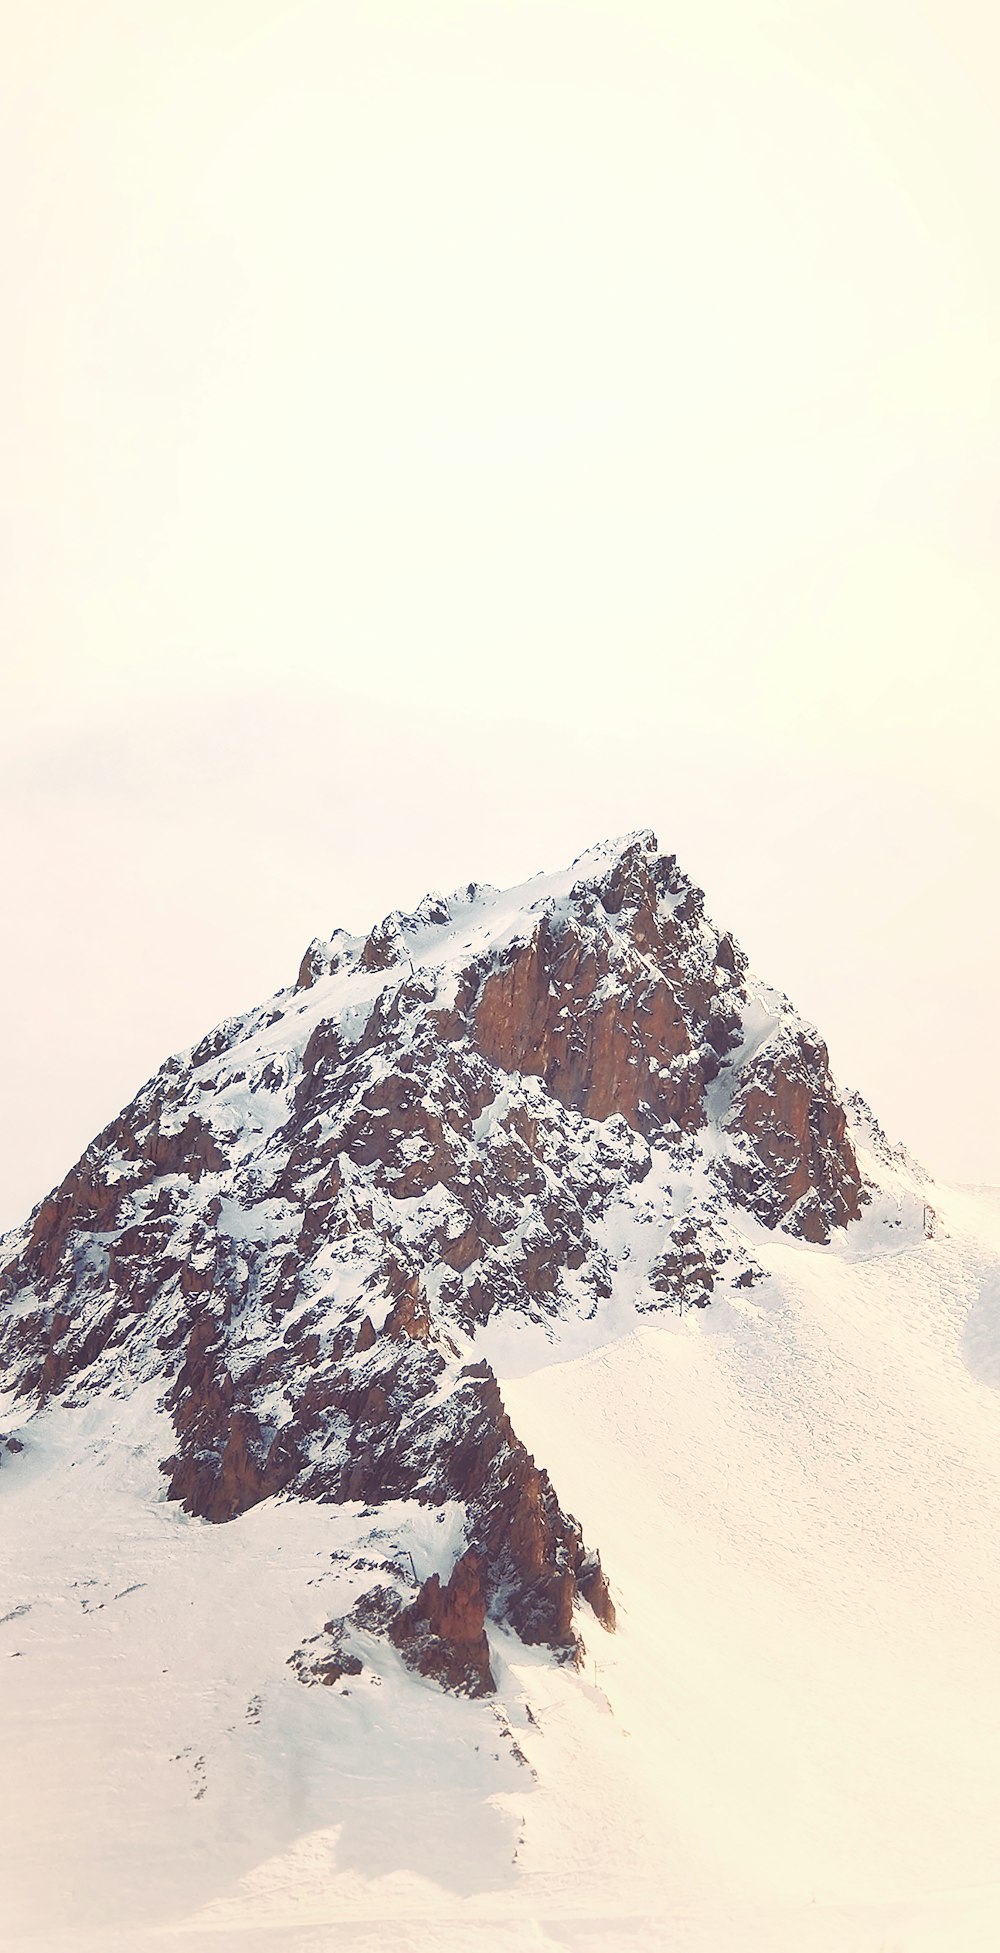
(791, 1742)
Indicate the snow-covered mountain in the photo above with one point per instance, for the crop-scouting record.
(553, 1345)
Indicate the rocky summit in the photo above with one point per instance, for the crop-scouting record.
(494, 1108)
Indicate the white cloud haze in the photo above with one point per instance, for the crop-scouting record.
(438, 436)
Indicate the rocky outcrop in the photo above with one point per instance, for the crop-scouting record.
(683, 1272)
(365, 1424)
(325, 1658)
(442, 1634)
(793, 1161)
(631, 1020)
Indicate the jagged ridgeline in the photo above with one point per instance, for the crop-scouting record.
(562, 1099)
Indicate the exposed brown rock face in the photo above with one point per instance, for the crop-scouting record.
(685, 1267)
(227, 1461)
(794, 1157)
(302, 1228)
(623, 1022)
(325, 1658)
(443, 1632)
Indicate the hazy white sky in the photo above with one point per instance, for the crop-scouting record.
(437, 434)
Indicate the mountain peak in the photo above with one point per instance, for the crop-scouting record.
(541, 1105)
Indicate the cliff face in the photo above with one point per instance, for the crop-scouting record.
(303, 1227)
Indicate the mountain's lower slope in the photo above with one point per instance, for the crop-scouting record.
(790, 1743)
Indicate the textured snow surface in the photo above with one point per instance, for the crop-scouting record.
(791, 1745)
